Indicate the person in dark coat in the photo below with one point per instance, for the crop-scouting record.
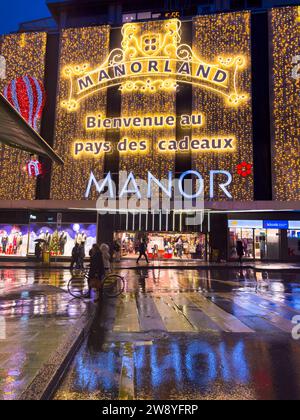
(81, 255)
(142, 251)
(97, 269)
(38, 251)
(240, 251)
(75, 255)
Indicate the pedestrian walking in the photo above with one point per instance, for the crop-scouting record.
(240, 251)
(117, 250)
(143, 252)
(179, 248)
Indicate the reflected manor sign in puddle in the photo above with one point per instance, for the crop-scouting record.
(2, 328)
(169, 365)
(296, 328)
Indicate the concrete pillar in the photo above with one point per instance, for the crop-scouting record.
(219, 235)
(283, 250)
(106, 225)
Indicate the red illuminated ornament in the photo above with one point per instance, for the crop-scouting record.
(244, 169)
(27, 95)
(34, 167)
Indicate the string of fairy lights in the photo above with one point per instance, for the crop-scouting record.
(285, 32)
(226, 35)
(139, 103)
(81, 45)
(25, 56)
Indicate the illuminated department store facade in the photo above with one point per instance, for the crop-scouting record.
(157, 94)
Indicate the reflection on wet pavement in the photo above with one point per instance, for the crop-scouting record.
(185, 334)
(35, 315)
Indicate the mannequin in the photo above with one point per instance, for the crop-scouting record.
(15, 243)
(62, 242)
(47, 237)
(42, 235)
(84, 238)
(4, 242)
(19, 241)
(81, 239)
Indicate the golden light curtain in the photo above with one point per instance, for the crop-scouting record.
(143, 104)
(285, 41)
(215, 36)
(78, 46)
(25, 56)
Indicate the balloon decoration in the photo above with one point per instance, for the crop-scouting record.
(34, 168)
(27, 95)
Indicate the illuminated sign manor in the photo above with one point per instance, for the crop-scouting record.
(154, 61)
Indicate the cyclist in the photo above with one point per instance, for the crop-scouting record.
(97, 270)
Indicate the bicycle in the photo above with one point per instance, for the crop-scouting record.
(112, 285)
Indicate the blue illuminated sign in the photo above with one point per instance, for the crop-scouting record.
(276, 224)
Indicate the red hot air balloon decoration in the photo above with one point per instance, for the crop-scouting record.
(27, 95)
(34, 167)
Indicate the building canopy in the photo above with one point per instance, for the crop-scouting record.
(15, 132)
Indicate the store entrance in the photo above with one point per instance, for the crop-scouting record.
(259, 244)
(267, 244)
(164, 245)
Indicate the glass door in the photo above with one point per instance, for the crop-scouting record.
(260, 244)
(273, 236)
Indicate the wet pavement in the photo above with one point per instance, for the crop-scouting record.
(130, 263)
(35, 314)
(187, 334)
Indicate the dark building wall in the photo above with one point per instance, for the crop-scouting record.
(261, 107)
(184, 106)
(111, 162)
(219, 234)
(106, 229)
(49, 114)
(22, 217)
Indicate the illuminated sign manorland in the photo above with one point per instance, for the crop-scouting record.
(155, 123)
(149, 62)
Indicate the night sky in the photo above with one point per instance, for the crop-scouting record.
(13, 12)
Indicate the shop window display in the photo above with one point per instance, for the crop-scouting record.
(259, 244)
(13, 240)
(164, 245)
(60, 242)
(293, 243)
(247, 238)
